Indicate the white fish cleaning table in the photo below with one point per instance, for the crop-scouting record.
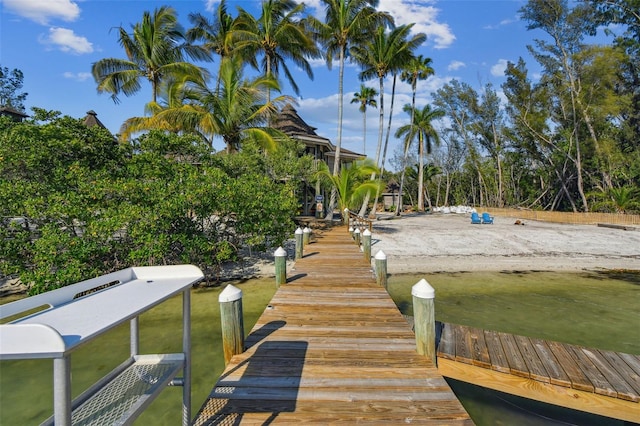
(73, 315)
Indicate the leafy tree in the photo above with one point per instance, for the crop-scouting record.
(351, 183)
(346, 23)
(235, 112)
(217, 36)
(429, 171)
(422, 128)
(418, 68)
(75, 204)
(382, 54)
(278, 35)
(365, 97)
(154, 51)
(490, 129)
(626, 29)
(567, 29)
(49, 176)
(10, 84)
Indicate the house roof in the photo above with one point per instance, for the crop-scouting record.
(91, 119)
(290, 123)
(12, 112)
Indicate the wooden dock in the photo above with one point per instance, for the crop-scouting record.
(331, 347)
(596, 381)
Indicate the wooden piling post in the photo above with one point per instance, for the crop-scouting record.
(306, 234)
(424, 319)
(231, 322)
(351, 231)
(299, 243)
(281, 266)
(366, 245)
(381, 269)
(356, 236)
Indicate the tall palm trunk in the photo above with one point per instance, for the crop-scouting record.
(336, 164)
(406, 148)
(365, 203)
(420, 172)
(386, 141)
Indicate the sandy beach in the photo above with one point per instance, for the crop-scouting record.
(424, 243)
(418, 243)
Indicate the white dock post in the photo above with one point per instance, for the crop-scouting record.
(231, 322)
(299, 243)
(366, 245)
(306, 234)
(281, 266)
(424, 319)
(381, 268)
(356, 236)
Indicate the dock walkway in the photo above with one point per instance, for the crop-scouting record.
(592, 380)
(331, 347)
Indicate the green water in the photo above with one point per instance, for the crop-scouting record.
(594, 309)
(26, 387)
(591, 309)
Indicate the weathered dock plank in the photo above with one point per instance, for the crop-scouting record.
(331, 347)
(600, 382)
(557, 375)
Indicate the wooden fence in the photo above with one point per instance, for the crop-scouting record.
(566, 217)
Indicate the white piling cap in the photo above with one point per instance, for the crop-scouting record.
(298, 231)
(351, 229)
(306, 229)
(230, 294)
(380, 255)
(366, 232)
(356, 231)
(423, 290)
(280, 252)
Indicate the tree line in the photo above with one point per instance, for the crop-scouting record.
(568, 139)
(76, 203)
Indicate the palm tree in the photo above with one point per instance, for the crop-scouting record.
(429, 172)
(346, 23)
(154, 51)
(421, 127)
(278, 36)
(381, 54)
(365, 97)
(418, 68)
(217, 35)
(351, 183)
(235, 111)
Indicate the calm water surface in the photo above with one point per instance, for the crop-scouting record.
(591, 309)
(594, 309)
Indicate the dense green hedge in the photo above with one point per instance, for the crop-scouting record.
(76, 203)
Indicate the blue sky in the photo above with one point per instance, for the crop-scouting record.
(55, 43)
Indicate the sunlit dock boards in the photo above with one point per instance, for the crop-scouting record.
(596, 381)
(331, 348)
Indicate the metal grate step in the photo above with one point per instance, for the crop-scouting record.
(121, 398)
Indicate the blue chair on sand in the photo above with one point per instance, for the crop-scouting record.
(486, 218)
(475, 218)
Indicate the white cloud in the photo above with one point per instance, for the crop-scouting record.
(501, 23)
(425, 18)
(81, 76)
(498, 69)
(210, 5)
(67, 41)
(456, 65)
(44, 10)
